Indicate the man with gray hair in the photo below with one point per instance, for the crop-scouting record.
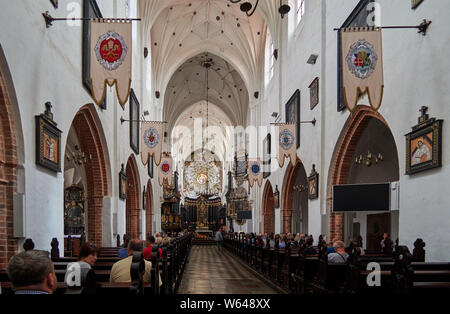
(339, 256)
(32, 272)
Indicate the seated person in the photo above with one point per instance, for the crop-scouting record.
(123, 252)
(86, 258)
(149, 248)
(120, 271)
(309, 249)
(32, 272)
(340, 256)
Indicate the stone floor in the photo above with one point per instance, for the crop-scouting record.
(212, 272)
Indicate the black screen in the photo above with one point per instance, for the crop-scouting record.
(361, 197)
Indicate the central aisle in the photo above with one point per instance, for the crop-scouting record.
(213, 272)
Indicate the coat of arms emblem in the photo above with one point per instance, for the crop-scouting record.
(286, 139)
(111, 50)
(362, 59)
(151, 137)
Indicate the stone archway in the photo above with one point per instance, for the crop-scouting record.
(149, 209)
(90, 134)
(268, 209)
(9, 163)
(133, 199)
(342, 161)
(290, 179)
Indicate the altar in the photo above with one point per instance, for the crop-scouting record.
(203, 215)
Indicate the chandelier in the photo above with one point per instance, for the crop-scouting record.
(249, 9)
(369, 159)
(79, 157)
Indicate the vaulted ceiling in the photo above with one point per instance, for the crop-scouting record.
(181, 30)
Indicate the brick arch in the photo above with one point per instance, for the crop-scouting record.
(288, 193)
(342, 158)
(149, 209)
(268, 209)
(90, 135)
(133, 198)
(11, 159)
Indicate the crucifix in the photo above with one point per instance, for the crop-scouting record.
(424, 117)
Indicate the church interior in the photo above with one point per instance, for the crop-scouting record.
(254, 143)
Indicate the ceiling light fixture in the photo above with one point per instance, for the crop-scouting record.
(249, 9)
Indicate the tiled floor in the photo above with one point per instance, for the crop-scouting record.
(212, 272)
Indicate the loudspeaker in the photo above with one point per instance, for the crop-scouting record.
(19, 215)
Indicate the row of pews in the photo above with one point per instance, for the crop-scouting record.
(169, 268)
(296, 272)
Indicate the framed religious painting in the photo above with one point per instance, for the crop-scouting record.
(90, 10)
(293, 113)
(267, 142)
(313, 184)
(55, 3)
(150, 167)
(123, 184)
(144, 199)
(276, 198)
(48, 141)
(134, 122)
(415, 4)
(314, 93)
(424, 145)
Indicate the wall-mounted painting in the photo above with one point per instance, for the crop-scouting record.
(293, 113)
(424, 145)
(415, 3)
(48, 141)
(123, 184)
(134, 122)
(150, 167)
(90, 10)
(144, 199)
(267, 155)
(276, 198)
(314, 93)
(313, 184)
(55, 3)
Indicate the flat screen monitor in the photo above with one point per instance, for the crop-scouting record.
(361, 197)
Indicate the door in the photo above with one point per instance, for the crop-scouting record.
(377, 225)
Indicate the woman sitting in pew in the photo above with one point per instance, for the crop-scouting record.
(339, 256)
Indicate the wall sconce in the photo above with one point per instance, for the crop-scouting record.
(369, 159)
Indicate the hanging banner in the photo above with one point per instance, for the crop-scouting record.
(166, 171)
(255, 172)
(110, 59)
(286, 135)
(151, 141)
(362, 59)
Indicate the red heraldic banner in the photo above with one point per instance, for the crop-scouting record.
(362, 71)
(165, 171)
(111, 59)
(151, 141)
(255, 172)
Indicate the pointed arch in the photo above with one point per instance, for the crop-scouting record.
(89, 131)
(342, 158)
(133, 205)
(268, 209)
(292, 172)
(11, 161)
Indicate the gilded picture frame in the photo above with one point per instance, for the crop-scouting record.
(48, 141)
(123, 184)
(313, 184)
(424, 145)
(314, 93)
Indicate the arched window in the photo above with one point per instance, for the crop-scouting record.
(300, 9)
(269, 58)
